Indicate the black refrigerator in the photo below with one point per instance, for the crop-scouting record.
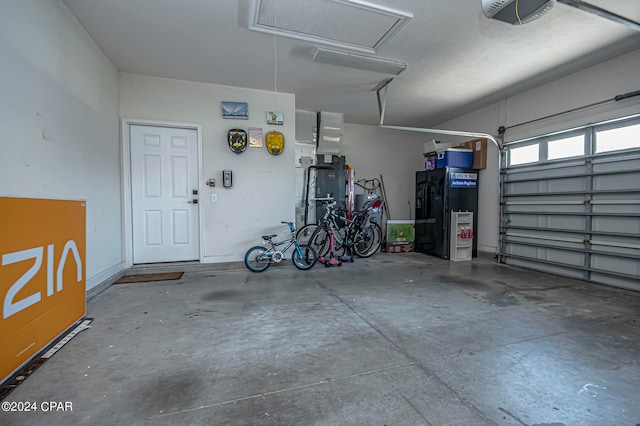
(438, 192)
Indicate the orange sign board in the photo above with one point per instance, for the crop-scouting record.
(42, 275)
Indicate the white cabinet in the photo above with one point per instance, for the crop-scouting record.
(461, 238)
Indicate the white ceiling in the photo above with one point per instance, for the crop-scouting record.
(457, 59)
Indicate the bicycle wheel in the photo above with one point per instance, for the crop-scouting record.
(307, 260)
(256, 260)
(339, 242)
(319, 240)
(304, 234)
(367, 241)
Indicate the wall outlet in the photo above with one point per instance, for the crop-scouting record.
(214, 198)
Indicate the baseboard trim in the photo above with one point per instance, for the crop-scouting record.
(99, 283)
(489, 249)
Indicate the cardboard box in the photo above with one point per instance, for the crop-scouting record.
(455, 157)
(479, 148)
(400, 247)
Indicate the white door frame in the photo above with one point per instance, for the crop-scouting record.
(127, 217)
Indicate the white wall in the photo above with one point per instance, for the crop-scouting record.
(263, 192)
(59, 122)
(601, 82)
(393, 154)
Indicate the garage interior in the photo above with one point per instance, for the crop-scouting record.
(540, 327)
(401, 339)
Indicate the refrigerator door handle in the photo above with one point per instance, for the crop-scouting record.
(445, 220)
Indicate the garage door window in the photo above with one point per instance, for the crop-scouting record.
(565, 148)
(616, 139)
(524, 154)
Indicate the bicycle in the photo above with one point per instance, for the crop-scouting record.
(259, 258)
(360, 235)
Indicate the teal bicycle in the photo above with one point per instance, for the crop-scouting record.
(259, 258)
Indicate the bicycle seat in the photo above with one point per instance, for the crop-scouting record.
(268, 237)
(375, 205)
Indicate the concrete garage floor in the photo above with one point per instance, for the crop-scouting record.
(399, 339)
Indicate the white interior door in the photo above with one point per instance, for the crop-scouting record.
(164, 186)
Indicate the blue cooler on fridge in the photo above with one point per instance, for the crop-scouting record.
(455, 157)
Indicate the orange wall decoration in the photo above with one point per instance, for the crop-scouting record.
(42, 275)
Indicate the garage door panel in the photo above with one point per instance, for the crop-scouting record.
(615, 264)
(627, 283)
(527, 187)
(617, 244)
(564, 256)
(615, 163)
(546, 199)
(549, 221)
(520, 250)
(571, 184)
(549, 268)
(559, 255)
(523, 220)
(617, 208)
(622, 181)
(616, 224)
(567, 209)
(556, 168)
(578, 217)
(567, 222)
(546, 185)
(612, 198)
(541, 239)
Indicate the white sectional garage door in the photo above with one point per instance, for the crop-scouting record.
(571, 204)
